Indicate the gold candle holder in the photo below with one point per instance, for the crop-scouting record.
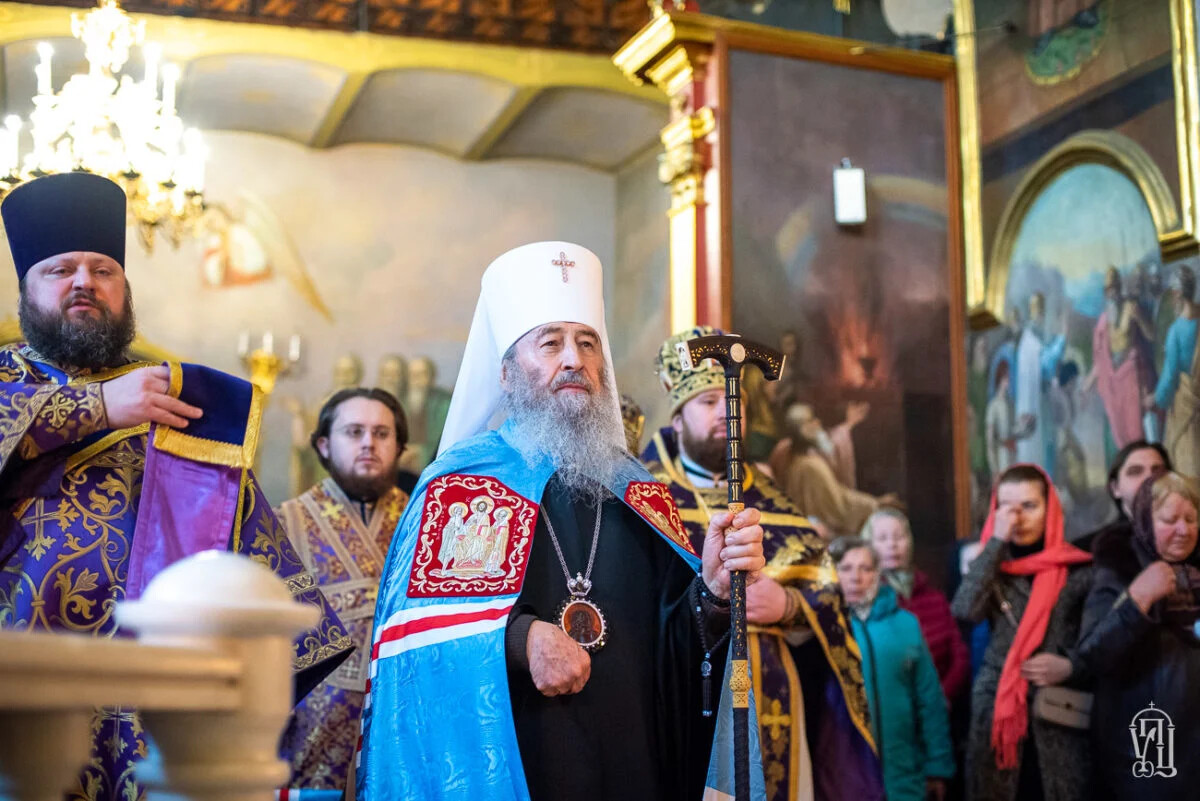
(264, 365)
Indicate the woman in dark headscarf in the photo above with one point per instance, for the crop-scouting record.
(1140, 642)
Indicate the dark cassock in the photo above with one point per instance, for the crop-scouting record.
(807, 670)
(93, 512)
(636, 730)
(492, 542)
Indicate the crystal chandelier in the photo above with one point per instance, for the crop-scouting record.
(113, 125)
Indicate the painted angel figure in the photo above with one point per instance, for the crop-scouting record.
(246, 242)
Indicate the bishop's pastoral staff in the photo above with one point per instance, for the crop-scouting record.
(110, 468)
(543, 617)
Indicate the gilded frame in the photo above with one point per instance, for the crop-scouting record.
(1178, 224)
(1108, 148)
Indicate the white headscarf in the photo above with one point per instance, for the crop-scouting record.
(530, 286)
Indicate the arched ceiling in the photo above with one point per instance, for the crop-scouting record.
(325, 88)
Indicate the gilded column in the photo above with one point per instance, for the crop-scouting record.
(673, 53)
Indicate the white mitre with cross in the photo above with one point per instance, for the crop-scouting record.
(527, 287)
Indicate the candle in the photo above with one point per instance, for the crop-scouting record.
(12, 145)
(42, 70)
(152, 53)
(268, 342)
(243, 346)
(170, 77)
(294, 348)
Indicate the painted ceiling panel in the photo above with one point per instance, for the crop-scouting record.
(286, 97)
(445, 110)
(597, 26)
(588, 126)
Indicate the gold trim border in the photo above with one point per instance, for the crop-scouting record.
(103, 444)
(972, 161)
(860, 723)
(825, 576)
(175, 381)
(1187, 124)
(199, 449)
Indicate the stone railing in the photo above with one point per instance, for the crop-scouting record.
(210, 672)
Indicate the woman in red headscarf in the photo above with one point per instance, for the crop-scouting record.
(1030, 586)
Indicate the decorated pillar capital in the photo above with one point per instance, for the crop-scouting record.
(674, 53)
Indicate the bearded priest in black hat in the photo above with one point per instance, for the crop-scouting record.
(111, 469)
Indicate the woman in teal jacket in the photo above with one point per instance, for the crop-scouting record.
(908, 710)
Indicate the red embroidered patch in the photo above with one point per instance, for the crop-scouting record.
(475, 539)
(654, 503)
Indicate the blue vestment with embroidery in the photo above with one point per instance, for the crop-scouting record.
(438, 722)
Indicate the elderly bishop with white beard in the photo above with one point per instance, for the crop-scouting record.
(543, 619)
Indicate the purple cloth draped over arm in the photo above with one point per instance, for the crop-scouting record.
(186, 507)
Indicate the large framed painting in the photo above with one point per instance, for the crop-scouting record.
(1082, 363)
(870, 315)
(1036, 73)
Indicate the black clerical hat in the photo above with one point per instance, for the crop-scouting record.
(64, 213)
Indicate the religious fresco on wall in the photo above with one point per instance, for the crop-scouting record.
(863, 313)
(1080, 366)
(246, 242)
(1048, 69)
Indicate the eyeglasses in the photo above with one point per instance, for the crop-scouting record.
(356, 432)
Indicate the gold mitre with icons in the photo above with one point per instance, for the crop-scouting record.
(683, 385)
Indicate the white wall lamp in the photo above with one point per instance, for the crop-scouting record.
(849, 194)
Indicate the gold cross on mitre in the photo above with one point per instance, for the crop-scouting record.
(563, 263)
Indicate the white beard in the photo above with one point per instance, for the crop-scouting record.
(582, 436)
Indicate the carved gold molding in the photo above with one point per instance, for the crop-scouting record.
(1108, 148)
(698, 32)
(1187, 127)
(685, 159)
(672, 53)
(974, 270)
(667, 46)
